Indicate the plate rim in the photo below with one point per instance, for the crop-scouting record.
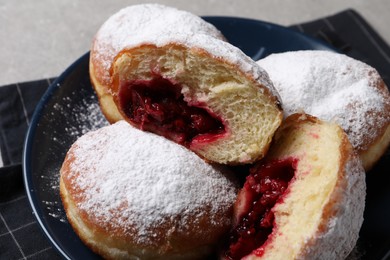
(285, 29)
(28, 144)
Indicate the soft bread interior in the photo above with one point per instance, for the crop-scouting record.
(248, 110)
(322, 211)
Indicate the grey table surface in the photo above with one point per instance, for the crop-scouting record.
(40, 38)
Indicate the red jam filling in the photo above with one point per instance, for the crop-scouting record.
(264, 187)
(158, 106)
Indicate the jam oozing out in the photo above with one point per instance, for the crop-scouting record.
(158, 106)
(264, 187)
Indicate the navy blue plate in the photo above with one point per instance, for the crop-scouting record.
(69, 108)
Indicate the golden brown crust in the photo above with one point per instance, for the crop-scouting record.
(377, 141)
(102, 88)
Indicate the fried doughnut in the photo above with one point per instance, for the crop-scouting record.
(186, 85)
(337, 88)
(130, 194)
(305, 200)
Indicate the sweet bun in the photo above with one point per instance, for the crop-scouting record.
(148, 199)
(305, 200)
(124, 27)
(336, 88)
(190, 87)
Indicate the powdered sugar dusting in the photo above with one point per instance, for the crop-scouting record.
(87, 115)
(135, 180)
(332, 87)
(144, 23)
(160, 25)
(80, 118)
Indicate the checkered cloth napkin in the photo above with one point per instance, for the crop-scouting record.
(20, 234)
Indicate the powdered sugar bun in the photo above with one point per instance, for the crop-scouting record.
(134, 195)
(185, 83)
(320, 183)
(336, 88)
(129, 25)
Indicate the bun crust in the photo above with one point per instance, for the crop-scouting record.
(150, 198)
(335, 88)
(320, 214)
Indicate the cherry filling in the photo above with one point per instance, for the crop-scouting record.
(264, 187)
(158, 106)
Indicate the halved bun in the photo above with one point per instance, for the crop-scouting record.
(191, 87)
(320, 184)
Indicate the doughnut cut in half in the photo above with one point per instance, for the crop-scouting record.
(190, 87)
(305, 200)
